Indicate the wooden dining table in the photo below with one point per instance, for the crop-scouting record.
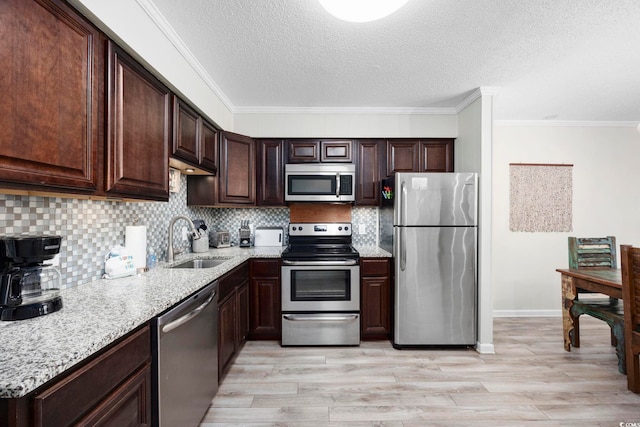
(607, 281)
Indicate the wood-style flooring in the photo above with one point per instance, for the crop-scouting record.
(530, 381)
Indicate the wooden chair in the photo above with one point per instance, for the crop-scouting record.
(630, 263)
(593, 253)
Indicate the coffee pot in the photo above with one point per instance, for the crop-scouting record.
(28, 287)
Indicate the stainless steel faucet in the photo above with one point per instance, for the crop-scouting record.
(194, 234)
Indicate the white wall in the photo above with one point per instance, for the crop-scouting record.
(352, 125)
(473, 154)
(606, 201)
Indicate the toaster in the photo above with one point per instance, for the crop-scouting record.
(268, 236)
(219, 239)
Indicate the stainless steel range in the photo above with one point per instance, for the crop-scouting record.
(320, 286)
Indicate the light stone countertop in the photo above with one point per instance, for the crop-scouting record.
(96, 314)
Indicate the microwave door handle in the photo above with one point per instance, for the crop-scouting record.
(338, 185)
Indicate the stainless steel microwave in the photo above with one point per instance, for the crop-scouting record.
(320, 182)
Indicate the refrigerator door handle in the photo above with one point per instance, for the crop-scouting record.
(403, 250)
(403, 204)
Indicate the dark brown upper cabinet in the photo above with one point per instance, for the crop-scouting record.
(194, 139)
(436, 155)
(237, 174)
(420, 155)
(369, 154)
(138, 130)
(270, 172)
(315, 150)
(52, 82)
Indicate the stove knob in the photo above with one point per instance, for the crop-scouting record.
(300, 228)
(346, 228)
(293, 228)
(340, 228)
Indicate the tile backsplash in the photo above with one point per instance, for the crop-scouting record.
(90, 228)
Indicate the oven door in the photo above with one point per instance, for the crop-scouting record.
(320, 287)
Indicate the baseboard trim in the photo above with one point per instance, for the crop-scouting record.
(485, 348)
(527, 313)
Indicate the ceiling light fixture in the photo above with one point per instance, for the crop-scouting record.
(189, 170)
(361, 10)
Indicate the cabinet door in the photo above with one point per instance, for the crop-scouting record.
(185, 132)
(129, 405)
(375, 305)
(52, 80)
(270, 173)
(139, 130)
(243, 314)
(436, 155)
(303, 151)
(336, 151)
(368, 169)
(265, 300)
(237, 170)
(227, 315)
(208, 146)
(402, 156)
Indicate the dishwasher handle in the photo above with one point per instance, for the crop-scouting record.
(184, 319)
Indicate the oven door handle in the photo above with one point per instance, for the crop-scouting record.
(311, 318)
(316, 263)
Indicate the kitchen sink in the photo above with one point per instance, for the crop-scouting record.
(201, 263)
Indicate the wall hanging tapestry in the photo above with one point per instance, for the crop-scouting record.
(540, 198)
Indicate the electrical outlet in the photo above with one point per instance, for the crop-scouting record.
(362, 229)
(185, 234)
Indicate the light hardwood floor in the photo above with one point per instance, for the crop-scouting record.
(530, 381)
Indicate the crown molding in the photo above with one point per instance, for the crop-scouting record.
(565, 123)
(343, 110)
(165, 28)
(481, 91)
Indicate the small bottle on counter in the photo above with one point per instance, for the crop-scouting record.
(152, 259)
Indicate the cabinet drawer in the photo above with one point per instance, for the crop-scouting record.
(374, 267)
(231, 280)
(265, 268)
(74, 396)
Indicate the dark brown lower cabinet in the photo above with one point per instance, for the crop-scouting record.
(111, 389)
(233, 316)
(375, 294)
(265, 300)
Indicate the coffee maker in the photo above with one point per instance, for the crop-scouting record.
(28, 287)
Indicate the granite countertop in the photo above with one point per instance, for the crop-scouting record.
(96, 314)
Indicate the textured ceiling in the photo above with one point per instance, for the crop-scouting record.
(568, 60)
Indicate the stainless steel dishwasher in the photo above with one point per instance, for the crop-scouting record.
(185, 360)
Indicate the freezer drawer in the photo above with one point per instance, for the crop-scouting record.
(321, 329)
(435, 292)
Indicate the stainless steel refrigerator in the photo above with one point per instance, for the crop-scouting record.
(429, 222)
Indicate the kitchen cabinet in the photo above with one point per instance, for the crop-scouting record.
(112, 388)
(420, 155)
(138, 130)
(194, 139)
(375, 305)
(265, 300)
(233, 315)
(436, 155)
(52, 79)
(368, 164)
(237, 177)
(314, 151)
(270, 172)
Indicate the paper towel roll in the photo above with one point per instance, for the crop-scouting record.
(135, 240)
